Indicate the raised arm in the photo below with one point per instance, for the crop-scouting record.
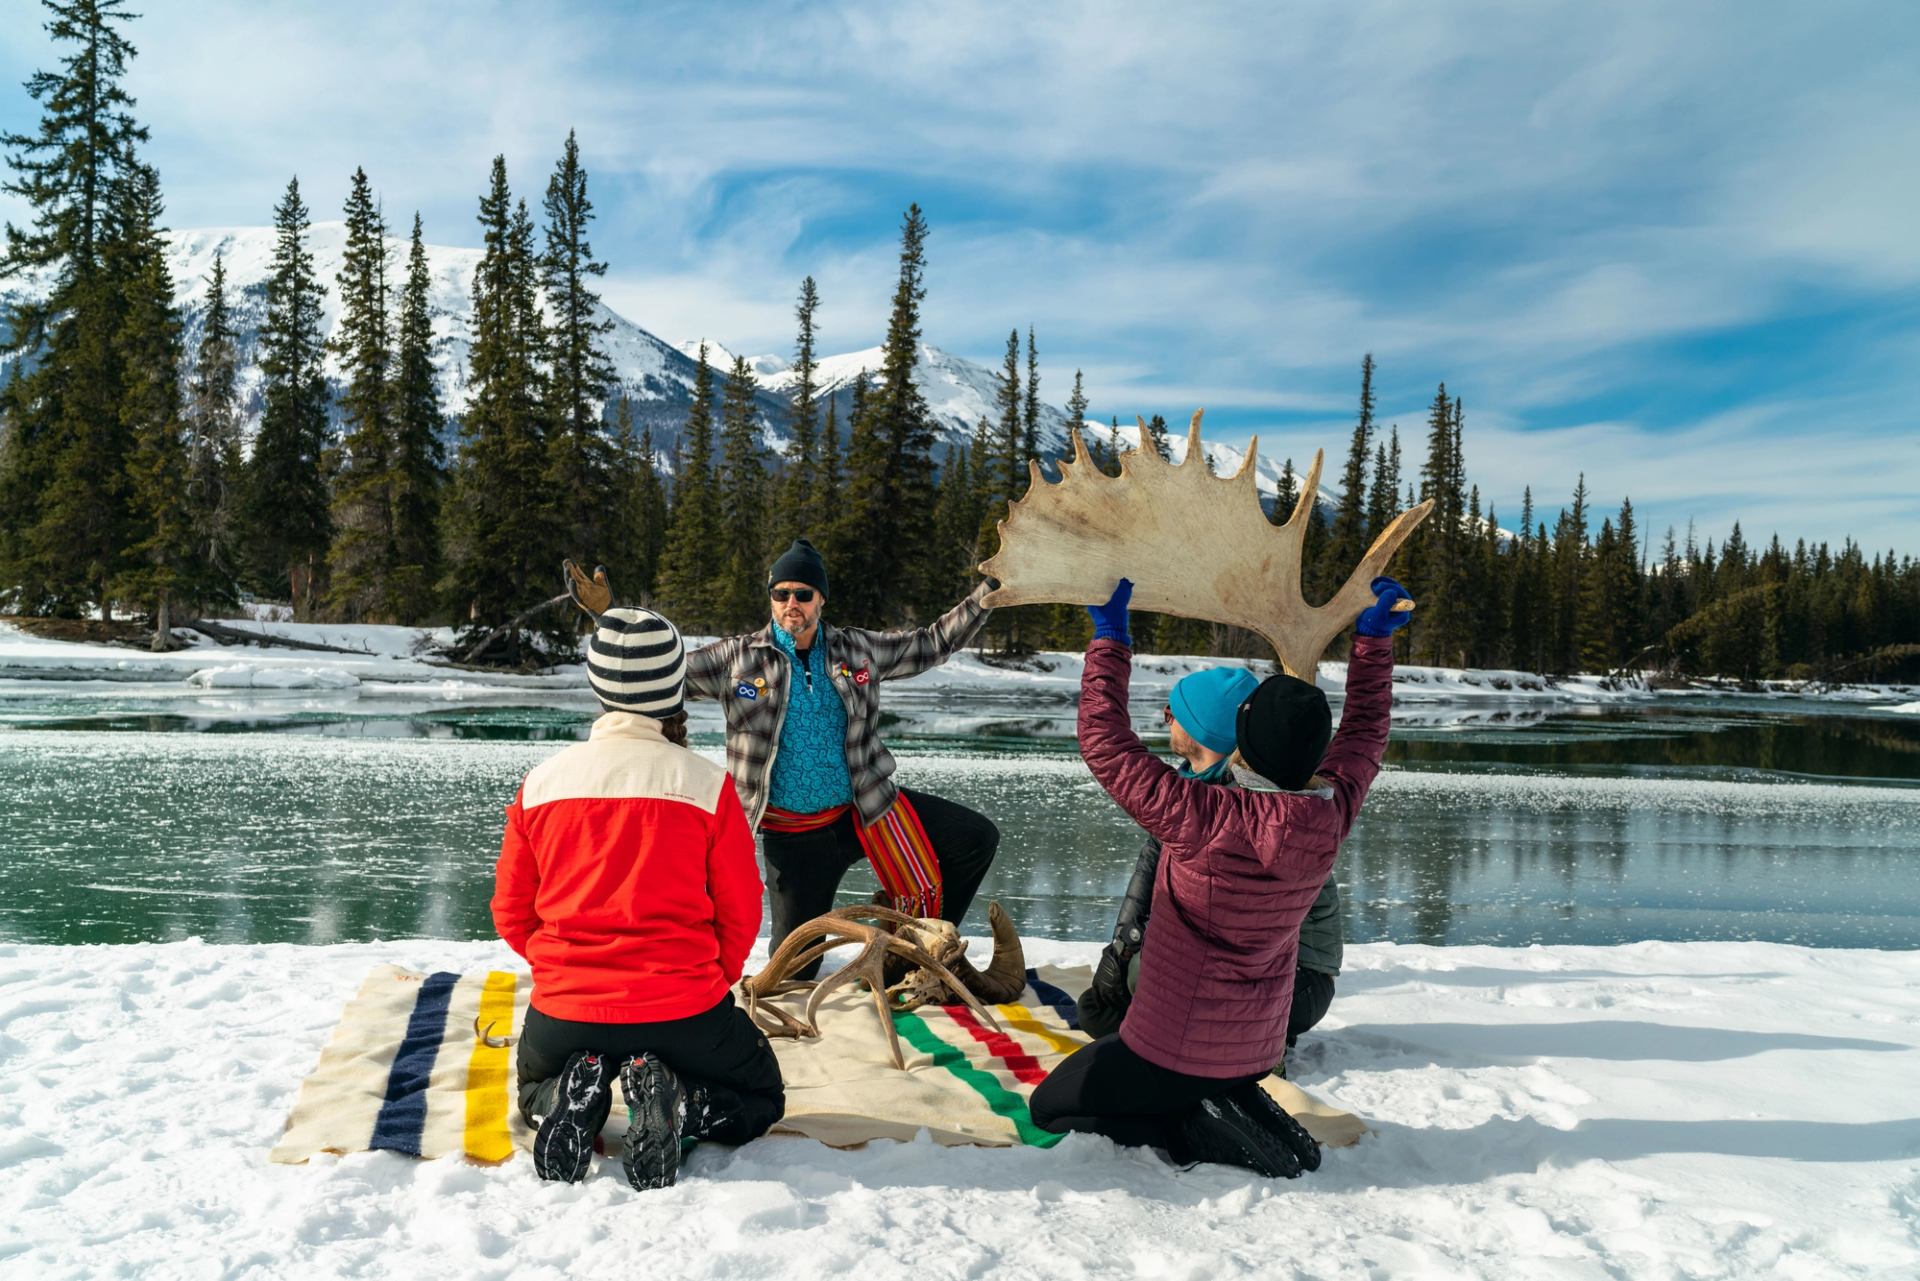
(898, 655)
(1353, 757)
(707, 668)
(1146, 787)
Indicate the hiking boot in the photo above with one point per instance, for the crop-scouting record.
(576, 1106)
(655, 1113)
(1220, 1131)
(1293, 1136)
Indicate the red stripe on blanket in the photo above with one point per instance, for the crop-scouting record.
(1025, 1068)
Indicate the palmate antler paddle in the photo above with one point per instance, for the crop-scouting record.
(1194, 544)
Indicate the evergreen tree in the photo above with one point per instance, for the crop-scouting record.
(1569, 584)
(1347, 542)
(690, 570)
(804, 501)
(581, 497)
(157, 568)
(287, 521)
(743, 482)
(1077, 407)
(417, 467)
(641, 531)
(64, 501)
(214, 471)
(1013, 457)
(1030, 415)
(499, 550)
(364, 554)
(885, 567)
(1384, 495)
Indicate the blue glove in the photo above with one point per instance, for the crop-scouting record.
(1378, 619)
(1110, 619)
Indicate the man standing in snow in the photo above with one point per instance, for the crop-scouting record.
(802, 702)
(1200, 715)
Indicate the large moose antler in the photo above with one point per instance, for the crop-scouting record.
(1193, 543)
(934, 948)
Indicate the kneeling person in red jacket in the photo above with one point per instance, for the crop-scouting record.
(627, 880)
(1239, 870)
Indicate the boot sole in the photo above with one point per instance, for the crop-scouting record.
(651, 1153)
(563, 1146)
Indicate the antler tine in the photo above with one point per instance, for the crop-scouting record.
(1194, 448)
(1080, 454)
(1357, 592)
(1143, 452)
(1309, 493)
(1249, 471)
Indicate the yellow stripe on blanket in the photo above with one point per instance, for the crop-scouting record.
(487, 1138)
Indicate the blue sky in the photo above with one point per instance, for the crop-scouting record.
(1676, 247)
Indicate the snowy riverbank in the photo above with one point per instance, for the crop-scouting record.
(1656, 1110)
(392, 662)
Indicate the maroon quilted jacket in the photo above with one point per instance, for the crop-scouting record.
(1238, 871)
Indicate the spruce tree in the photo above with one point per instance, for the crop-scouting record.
(690, 569)
(157, 566)
(417, 467)
(1569, 584)
(1076, 412)
(887, 568)
(214, 470)
(64, 503)
(500, 554)
(743, 483)
(804, 502)
(1384, 495)
(1154, 436)
(580, 496)
(364, 554)
(287, 521)
(1347, 541)
(1030, 413)
(1013, 457)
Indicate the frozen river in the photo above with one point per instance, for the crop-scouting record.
(139, 815)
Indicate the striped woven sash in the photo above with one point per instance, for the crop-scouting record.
(896, 846)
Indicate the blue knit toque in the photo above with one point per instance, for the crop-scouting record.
(1205, 704)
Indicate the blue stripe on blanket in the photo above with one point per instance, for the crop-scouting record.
(404, 1114)
(1062, 1004)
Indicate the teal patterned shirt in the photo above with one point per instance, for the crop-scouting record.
(810, 769)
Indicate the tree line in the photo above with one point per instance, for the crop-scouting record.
(124, 480)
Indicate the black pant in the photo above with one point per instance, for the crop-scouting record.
(804, 869)
(1312, 995)
(720, 1050)
(1105, 1088)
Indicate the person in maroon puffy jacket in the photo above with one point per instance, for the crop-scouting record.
(1238, 872)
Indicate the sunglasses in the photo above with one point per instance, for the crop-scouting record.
(802, 594)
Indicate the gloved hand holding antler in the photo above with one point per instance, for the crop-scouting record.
(593, 595)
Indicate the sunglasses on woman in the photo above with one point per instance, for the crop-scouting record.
(802, 594)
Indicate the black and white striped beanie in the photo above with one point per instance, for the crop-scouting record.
(637, 663)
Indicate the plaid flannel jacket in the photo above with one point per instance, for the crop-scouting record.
(749, 675)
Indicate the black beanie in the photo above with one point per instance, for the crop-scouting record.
(1283, 729)
(800, 563)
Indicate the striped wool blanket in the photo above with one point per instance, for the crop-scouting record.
(417, 1065)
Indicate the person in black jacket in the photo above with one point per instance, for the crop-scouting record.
(1200, 717)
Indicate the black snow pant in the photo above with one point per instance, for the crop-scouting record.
(804, 869)
(719, 1051)
(1105, 1088)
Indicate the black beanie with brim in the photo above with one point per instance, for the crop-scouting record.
(1282, 731)
(800, 563)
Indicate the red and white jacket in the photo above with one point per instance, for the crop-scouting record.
(627, 878)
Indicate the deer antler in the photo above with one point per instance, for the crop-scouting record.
(841, 926)
(1193, 543)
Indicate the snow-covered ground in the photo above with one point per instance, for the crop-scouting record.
(393, 660)
(1658, 1110)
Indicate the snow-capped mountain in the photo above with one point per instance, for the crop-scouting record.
(656, 375)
